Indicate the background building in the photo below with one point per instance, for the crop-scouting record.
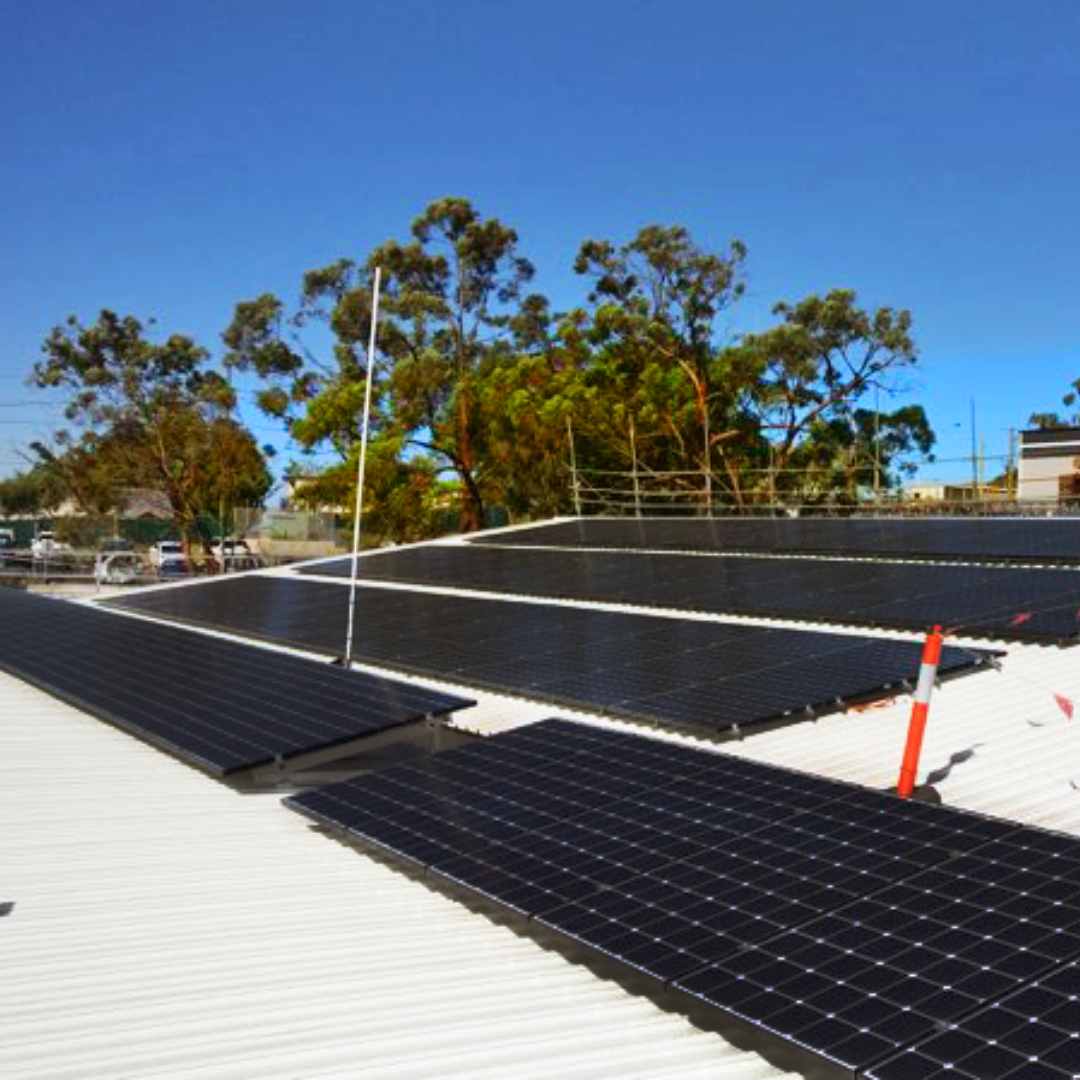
(1048, 464)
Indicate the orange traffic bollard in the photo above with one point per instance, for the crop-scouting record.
(920, 710)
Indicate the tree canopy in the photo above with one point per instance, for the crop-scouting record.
(483, 396)
(30, 492)
(1071, 401)
(647, 375)
(453, 303)
(146, 415)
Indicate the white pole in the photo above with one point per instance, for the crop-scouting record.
(573, 469)
(360, 467)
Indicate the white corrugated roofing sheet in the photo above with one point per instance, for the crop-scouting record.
(999, 742)
(167, 926)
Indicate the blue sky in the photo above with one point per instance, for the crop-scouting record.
(168, 158)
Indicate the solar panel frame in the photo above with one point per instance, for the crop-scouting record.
(223, 706)
(701, 676)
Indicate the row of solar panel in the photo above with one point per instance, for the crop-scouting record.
(692, 674)
(1021, 539)
(728, 883)
(848, 932)
(223, 706)
(1008, 602)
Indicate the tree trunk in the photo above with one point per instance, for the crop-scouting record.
(472, 504)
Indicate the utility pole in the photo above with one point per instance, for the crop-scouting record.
(877, 445)
(975, 491)
(1010, 466)
(982, 465)
(633, 459)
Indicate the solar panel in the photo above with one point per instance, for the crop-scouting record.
(222, 706)
(1028, 604)
(1032, 1034)
(831, 926)
(1029, 880)
(698, 675)
(976, 539)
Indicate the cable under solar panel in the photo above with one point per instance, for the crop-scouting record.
(976, 539)
(831, 927)
(222, 706)
(1026, 604)
(697, 675)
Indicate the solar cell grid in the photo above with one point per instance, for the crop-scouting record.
(1032, 1033)
(1022, 603)
(700, 675)
(223, 706)
(986, 538)
(844, 922)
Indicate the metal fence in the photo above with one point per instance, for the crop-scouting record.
(639, 492)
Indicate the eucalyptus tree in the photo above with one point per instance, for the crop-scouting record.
(150, 415)
(453, 300)
(813, 368)
(650, 345)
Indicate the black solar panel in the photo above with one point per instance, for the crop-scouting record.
(694, 674)
(1030, 1034)
(1029, 604)
(223, 706)
(994, 539)
(834, 926)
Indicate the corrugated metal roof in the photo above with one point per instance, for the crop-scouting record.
(997, 742)
(167, 926)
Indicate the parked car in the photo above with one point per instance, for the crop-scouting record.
(42, 545)
(117, 568)
(229, 547)
(46, 546)
(167, 557)
(235, 555)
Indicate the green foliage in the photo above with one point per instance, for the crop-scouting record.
(854, 452)
(32, 492)
(113, 375)
(482, 377)
(806, 374)
(523, 406)
(145, 415)
(453, 303)
(404, 500)
(1046, 420)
